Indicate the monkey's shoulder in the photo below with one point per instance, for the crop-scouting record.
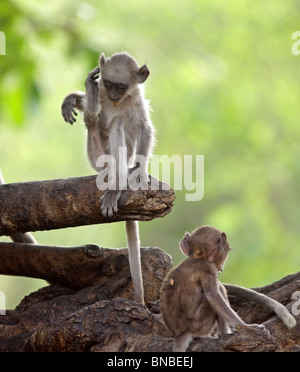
(198, 265)
(191, 270)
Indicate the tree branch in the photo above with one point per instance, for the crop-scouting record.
(63, 319)
(81, 267)
(56, 204)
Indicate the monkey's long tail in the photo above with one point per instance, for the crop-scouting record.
(281, 311)
(133, 240)
(19, 237)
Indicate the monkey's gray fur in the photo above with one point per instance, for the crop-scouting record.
(116, 115)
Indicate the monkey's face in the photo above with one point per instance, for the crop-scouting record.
(121, 75)
(115, 91)
(221, 254)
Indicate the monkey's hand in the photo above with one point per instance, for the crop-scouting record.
(68, 109)
(109, 202)
(91, 84)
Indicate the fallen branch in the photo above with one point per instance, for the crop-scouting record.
(56, 204)
(85, 266)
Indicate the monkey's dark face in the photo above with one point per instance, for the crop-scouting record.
(115, 91)
(121, 74)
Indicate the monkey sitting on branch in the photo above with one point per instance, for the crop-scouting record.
(117, 118)
(193, 301)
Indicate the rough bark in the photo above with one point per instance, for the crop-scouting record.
(56, 204)
(95, 318)
(89, 265)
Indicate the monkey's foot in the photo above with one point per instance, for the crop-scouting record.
(254, 326)
(109, 202)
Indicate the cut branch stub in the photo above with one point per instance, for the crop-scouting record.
(56, 204)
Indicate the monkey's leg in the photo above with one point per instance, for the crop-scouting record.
(181, 343)
(133, 240)
(223, 327)
(144, 150)
(117, 144)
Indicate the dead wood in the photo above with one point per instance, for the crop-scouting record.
(85, 266)
(56, 204)
(95, 318)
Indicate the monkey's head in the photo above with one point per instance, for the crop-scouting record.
(121, 74)
(207, 243)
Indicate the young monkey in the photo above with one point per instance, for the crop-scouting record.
(193, 300)
(116, 116)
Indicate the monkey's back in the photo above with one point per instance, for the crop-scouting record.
(184, 307)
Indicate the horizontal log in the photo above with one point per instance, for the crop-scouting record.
(84, 266)
(56, 204)
(59, 265)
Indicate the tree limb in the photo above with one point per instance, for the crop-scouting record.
(62, 319)
(85, 266)
(56, 204)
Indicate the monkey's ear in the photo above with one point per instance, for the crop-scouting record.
(223, 238)
(185, 244)
(224, 242)
(142, 74)
(102, 59)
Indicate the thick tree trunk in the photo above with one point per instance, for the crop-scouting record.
(56, 204)
(95, 318)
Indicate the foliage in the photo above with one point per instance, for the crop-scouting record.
(223, 83)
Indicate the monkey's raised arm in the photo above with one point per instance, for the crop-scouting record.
(109, 204)
(281, 311)
(72, 101)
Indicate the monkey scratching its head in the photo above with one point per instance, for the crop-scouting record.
(120, 75)
(117, 116)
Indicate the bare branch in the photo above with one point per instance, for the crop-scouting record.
(80, 267)
(56, 204)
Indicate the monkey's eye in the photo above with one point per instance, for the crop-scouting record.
(122, 87)
(107, 84)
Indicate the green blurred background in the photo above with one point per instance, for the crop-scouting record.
(224, 84)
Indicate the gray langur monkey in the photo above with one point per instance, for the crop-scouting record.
(25, 238)
(116, 116)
